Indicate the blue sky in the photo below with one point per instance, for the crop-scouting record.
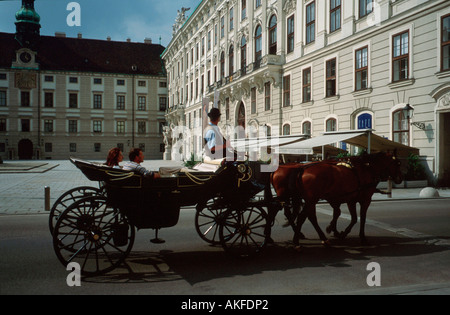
(119, 19)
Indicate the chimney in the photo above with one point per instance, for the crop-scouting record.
(60, 34)
(108, 38)
(147, 40)
(128, 40)
(80, 35)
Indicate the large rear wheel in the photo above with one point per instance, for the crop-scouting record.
(94, 235)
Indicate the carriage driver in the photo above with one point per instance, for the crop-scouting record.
(216, 146)
(136, 158)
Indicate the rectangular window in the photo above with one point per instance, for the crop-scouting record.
(48, 147)
(2, 125)
(335, 15)
(3, 76)
(25, 125)
(142, 83)
(73, 100)
(222, 27)
(48, 99)
(362, 69)
(120, 82)
(25, 99)
(97, 147)
(48, 125)
(306, 88)
(97, 101)
(73, 126)
(97, 126)
(287, 91)
(97, 81)
(243, 9)
(121, 126)
(310, 22)
(48, 78)
(290, 34)
(400, 127)
(162, 103)
(365, 7)
(72, 147)
(142, 103)
(231, 19)
(331, 78)
(120, 102)
(253, 92)
(267, 96)
(445, 43)
(2, 98)
(227, 108)
(142, 127)
(258, 3)
(73, 80)
(400, 56)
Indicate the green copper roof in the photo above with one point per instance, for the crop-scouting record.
(26, 14)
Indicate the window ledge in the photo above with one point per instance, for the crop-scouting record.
(443, 74)
(362, 92)
(306, 104)
(331, 98)
(394, 85)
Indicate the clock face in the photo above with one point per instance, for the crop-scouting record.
(25, 57)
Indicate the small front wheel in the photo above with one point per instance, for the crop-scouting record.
(242, 231)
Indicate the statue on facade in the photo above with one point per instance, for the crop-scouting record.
(179, 21)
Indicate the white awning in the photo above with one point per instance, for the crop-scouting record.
(255, 144)
(361, 138)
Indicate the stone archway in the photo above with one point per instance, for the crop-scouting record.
(25, 149)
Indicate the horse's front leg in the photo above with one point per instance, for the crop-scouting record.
(354, 219)
(363, 215)
(333, 224)
(310, 211)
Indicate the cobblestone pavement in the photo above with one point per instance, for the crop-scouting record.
(22, 184)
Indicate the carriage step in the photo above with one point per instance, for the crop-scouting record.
(157, 240)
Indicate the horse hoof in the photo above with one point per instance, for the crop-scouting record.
(326, 243)
(298, 248)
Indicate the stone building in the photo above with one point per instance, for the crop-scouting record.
(62, 97)
(306, 67)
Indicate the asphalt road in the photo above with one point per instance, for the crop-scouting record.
(410, 242)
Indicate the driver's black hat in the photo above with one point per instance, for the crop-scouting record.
(214, 113)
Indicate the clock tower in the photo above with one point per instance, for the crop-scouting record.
(27, 26)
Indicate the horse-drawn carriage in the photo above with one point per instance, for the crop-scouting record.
(96, 227)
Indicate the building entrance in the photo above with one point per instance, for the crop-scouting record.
(25, 149)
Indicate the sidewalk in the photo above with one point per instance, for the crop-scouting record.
(22, 184)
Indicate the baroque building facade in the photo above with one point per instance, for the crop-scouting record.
(284, 67)
(62, 97)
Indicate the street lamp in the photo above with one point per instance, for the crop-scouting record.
(408, 113)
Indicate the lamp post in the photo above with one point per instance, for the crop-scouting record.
(408, 113)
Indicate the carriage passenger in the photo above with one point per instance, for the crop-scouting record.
(136, 158)
(115, 156)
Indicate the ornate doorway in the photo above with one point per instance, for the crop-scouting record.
(241, 121)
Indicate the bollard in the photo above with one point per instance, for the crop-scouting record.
(389, 191)
(47, 198)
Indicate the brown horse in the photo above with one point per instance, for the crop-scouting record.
(338, 183)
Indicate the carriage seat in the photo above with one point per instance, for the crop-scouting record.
(206, 166)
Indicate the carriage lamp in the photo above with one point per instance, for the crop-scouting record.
(408, 113)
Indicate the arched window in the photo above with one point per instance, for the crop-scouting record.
(222, 65)
(258, 43)
(243, 54)
(273, 35)
(231, 60)
(286, 130)
(331, 124)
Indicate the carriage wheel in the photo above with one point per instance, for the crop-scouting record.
(67, 199)
(242, 232)
(94, 235)
(207, 221)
